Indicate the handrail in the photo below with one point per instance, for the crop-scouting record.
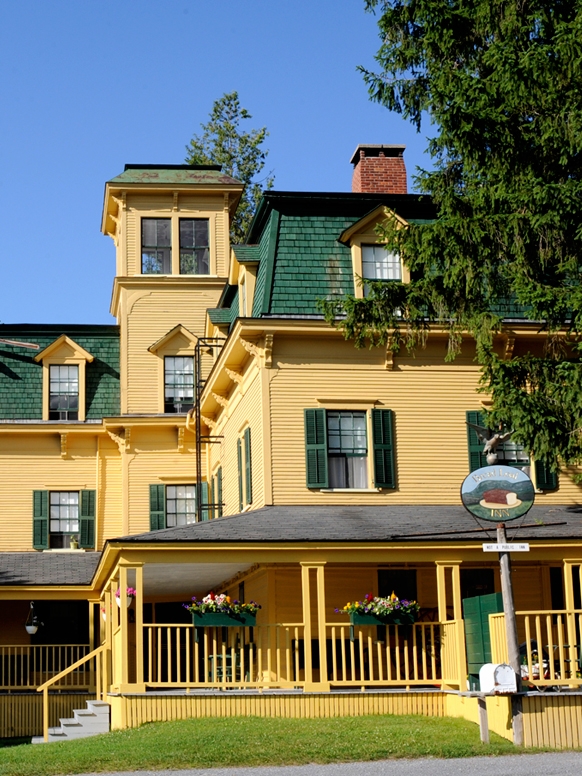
(45, 687)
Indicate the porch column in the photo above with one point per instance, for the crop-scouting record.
(323, 684)
(123, 624)
(454, 659)
(569, 566)
(139, 675)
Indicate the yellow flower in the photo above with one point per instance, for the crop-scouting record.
(393, 597)
(228, 599)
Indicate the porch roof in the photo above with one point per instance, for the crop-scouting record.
(47, 568)
(364, 524)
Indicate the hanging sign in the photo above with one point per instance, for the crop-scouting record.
(498, 493)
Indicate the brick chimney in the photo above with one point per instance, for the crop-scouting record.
(379, 169)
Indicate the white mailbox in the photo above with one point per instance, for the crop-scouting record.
(497, 678)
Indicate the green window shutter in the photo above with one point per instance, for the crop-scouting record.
(248, 470)
(476, 457)
(316, 449)
(87, 519)
(40, 522)
(204, 500)
(219, 492)
(240, 474)
(383, 439)
(157, 507)
(546, 479)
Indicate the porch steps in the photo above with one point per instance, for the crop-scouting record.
(84, 723)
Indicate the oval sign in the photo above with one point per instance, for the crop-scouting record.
(498, 493)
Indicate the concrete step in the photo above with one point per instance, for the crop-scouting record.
(91, 721)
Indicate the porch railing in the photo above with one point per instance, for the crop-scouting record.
(383, 655)
(276, 656)
(26, 667)
(550, 646)
(262, 656)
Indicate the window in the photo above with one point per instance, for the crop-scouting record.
(59, 516)
(245, 477)
(172, 506)
(178, 383)
(379, 264)
(156, 246)
(337, 452)
(509, 453)
(347, 448)
(194, 246)
(180, 505)
(63, 392)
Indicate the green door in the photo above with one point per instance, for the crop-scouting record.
(476, 613)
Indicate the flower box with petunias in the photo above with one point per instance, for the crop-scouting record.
(374, 610)
(221, 611)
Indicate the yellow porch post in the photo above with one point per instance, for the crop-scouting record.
(454, 643)
(123, 624)
(306, 600)
(319, 567)
(569, 566)
(139, 676)
(91, 644)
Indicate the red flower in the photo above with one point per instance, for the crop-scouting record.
(369, 596)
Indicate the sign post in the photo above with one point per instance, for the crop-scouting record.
(511, 634)
(503, 493)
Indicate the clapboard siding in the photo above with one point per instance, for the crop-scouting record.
(155, 459)
(135, 710)
(21, 715)
(152, 316)
(428, 396)
(32, 462)
(247, 411)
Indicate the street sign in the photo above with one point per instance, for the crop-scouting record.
(506, 547)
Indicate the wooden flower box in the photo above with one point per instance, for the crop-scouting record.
(400, 618)
(223, 620)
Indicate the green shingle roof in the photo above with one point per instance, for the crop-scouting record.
(247, 253)
(21, 376)
(218, 316)
(173, 174)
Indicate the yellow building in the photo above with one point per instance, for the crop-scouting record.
(222, 437)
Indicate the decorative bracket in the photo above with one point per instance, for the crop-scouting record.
(250, 347)
(181, 433)
(122, 440)
(175, 205)
(64, 449)
(236, 377)
(269, 350)
(209, 422)
(389, 362)
(220, 399)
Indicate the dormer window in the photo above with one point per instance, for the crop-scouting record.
(380, 264)
(156, 246)
(64, 363)
(178, 383)
(194, 246)
(63, 392)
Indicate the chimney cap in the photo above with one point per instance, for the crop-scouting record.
(374, 150)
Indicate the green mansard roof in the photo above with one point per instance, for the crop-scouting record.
(21, 376)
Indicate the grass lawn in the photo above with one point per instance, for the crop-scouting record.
(206, 743)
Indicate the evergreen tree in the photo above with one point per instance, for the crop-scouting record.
(240, 154)
(501, 83)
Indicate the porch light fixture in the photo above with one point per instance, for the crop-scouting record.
(32, 622)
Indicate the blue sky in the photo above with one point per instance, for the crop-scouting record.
(87, 86)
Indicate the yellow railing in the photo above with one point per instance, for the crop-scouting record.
(27, 667)
(385, 655)
(277, 656)
(261, 656)
(454, 669)
(99, 657)
(550, 646)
